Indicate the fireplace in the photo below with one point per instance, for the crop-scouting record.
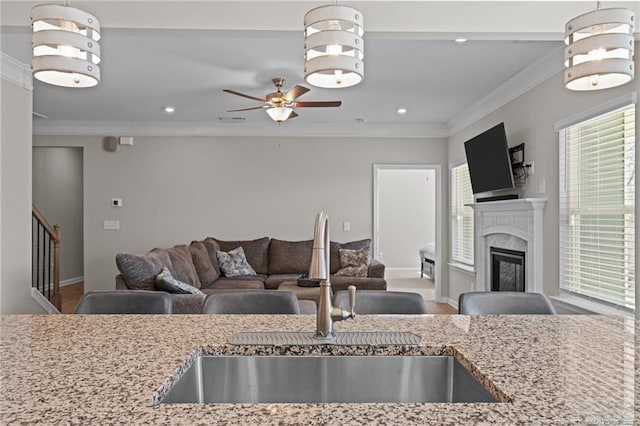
(507, 269)
(512, 225)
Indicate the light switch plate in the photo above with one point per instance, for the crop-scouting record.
(346, 226)
(543, 186)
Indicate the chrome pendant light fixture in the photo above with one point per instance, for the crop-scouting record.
(65, 46)
(333, 46)
(599, 52)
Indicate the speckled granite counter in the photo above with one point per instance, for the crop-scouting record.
(100, 370)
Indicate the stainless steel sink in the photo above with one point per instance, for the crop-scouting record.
(326, 379)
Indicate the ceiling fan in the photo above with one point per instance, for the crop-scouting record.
(280, 105)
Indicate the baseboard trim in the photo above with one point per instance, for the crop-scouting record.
(71, 281)
(452, 303)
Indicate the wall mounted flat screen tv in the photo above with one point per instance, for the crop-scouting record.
(489, 161)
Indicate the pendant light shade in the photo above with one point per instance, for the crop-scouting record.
(65, 46)
(599, 52)
(279, 114)
(333, 47)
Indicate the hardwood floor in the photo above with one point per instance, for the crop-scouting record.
(71, 294)
(440, 308)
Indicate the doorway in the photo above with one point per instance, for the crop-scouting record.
(407, 218)
(58, 194)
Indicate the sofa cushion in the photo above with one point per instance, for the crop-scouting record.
(183, 268)
(205, 270)
(361, 283)
(166, 282)
(234, 263)
(273, 281)
(256, 251)
(140, 270)
(224, 283)
(212, 248)
(290, 257)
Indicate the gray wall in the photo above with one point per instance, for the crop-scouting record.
(57, 193)
(530, 119)
(178, 189)
(407, 215)
(15, 200)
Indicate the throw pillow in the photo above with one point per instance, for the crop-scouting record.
(234, 263)
(166, 282)
(139, 270)
(354, 271)
(354, 263)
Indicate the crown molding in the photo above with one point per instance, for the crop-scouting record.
(119, 128)
(15, 71)
(542, 69)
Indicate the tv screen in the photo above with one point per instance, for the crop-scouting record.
(488, 160)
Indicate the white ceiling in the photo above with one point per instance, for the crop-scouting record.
(183, 53)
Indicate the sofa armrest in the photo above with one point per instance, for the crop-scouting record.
(376, 269)
(121, 284)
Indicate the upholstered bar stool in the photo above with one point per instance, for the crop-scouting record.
(382, 302)
(504, 302)
(252, 302)
(124, 302)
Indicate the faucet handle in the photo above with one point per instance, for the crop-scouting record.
(352, 299)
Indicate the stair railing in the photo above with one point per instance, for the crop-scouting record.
(46, 258)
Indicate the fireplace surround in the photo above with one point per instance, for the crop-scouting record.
(513, 226)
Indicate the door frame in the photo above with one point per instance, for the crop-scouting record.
(437, 279)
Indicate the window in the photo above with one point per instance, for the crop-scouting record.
(597, 201)
(461, 215)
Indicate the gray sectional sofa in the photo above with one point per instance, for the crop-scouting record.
(274, 261)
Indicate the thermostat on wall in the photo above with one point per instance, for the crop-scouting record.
(126, 140)
(116, 202)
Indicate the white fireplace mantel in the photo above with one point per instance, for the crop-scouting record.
(509, 224)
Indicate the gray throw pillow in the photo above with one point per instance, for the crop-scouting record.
(234, 263)
(166, 282)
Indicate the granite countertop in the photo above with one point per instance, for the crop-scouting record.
(104, 369)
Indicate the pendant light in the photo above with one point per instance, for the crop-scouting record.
(333, 46)
(599, 52)
(65, 46)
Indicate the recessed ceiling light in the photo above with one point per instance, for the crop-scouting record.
(401, 110)
(169, 109)
(460, 40)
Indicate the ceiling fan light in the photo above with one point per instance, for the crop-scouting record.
(65, 45)
(333, 47)
(600, 48)
(279, 114)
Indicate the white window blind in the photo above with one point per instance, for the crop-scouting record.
(461, 215)
(597, 201)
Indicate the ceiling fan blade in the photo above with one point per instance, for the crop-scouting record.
(233, 92)
(304, 104)
(295, 92)
(245, 109)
